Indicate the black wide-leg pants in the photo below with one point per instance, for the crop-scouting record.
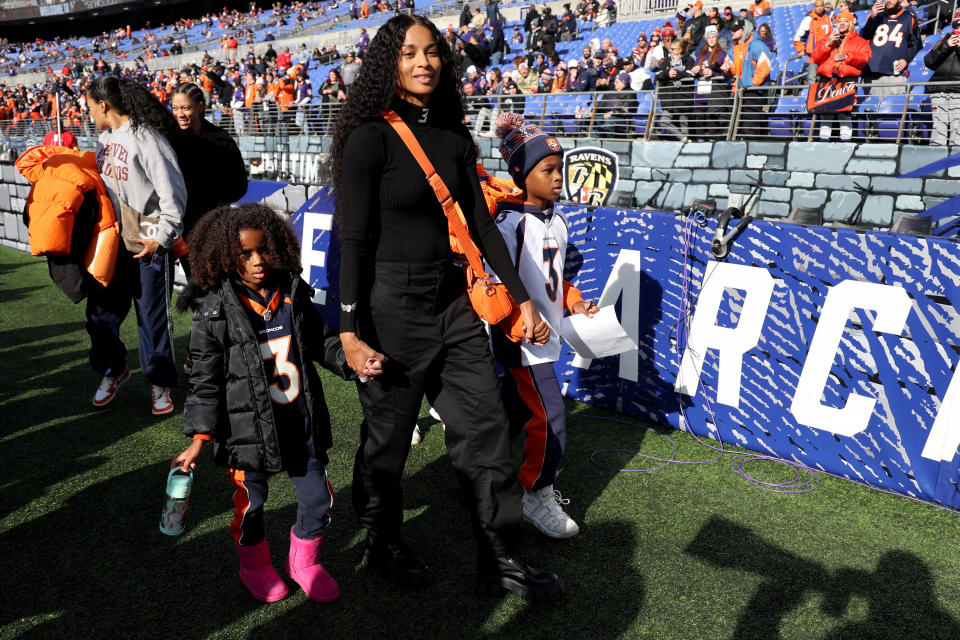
(421, 319)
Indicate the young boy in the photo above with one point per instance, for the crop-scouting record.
(536, 237)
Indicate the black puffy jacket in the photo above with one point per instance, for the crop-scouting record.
(945, 62)
(229, 397)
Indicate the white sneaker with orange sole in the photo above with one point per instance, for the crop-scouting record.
(108, 388)
(162, 402)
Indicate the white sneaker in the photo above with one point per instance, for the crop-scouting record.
(543, 509)
(436, 416)
(108, 388)
(162, 402)
(416, 437)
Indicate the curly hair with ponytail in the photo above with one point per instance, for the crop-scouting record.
(376, 84)
(131, 98)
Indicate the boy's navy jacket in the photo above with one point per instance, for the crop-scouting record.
(229, 397)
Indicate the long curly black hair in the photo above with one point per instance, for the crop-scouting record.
(215, 243)
(376, 84)
(129, 97)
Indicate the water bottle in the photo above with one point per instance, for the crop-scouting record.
(173, 518)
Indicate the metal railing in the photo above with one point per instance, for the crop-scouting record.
(935, 11)
(634, 9)
(884, 113)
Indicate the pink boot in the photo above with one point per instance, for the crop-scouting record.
(258, 575)
(303, 566)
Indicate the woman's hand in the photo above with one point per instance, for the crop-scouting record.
(535, 330)
(188, 459)
(586, 308)
(360, 356)
(150, 245)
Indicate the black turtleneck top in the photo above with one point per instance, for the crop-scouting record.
(390, 213)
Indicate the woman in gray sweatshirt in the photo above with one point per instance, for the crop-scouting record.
(139, 167)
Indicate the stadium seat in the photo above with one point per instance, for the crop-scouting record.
(890, 113)
(790, 118)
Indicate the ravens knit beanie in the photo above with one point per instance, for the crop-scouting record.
(523, 145)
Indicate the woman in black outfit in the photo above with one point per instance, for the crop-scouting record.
(403, 303)
(214, 172)
(209, 158)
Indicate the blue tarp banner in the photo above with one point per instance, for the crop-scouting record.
(257, 190)
(829, 347)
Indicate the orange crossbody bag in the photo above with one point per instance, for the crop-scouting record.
(490, 300)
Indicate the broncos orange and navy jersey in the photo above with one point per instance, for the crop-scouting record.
(537, 243)
(272, 321)
(891, 38)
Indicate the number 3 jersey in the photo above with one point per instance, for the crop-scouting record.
(272, 322)
(892, 38)
(537, 242)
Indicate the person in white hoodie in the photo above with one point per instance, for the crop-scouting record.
(139, 168)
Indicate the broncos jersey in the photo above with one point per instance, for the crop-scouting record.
(537, 242)
(892, 38)
(272, 322)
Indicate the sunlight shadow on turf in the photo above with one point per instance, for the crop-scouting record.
(10, 267)
(70, 445)
(9, 295)
(599, 560)
(118, 576)
(22, 337)
(899, 593)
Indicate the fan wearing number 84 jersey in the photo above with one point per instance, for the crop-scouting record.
(894, 36)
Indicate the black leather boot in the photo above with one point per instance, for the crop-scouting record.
(508, 572)
(396, 562)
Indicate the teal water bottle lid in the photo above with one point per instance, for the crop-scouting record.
(178, 483)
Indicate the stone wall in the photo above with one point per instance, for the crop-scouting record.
(14, 189)
(660, 175)
(810, 174)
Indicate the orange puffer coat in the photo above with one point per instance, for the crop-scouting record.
(60, 177)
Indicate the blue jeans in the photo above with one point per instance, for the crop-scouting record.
(139, 282)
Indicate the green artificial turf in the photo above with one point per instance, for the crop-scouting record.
(688, 551)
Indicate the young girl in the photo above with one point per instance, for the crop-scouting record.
(254, 391)
(139, 167)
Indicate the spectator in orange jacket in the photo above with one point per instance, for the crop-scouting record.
(843, 55)
(814, 28)
(760, 8)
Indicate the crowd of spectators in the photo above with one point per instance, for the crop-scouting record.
(697, 62)
(228, 28)
(258, 94)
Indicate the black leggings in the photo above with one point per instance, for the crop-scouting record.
(421, 320)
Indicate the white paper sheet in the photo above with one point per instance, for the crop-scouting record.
(598, 336)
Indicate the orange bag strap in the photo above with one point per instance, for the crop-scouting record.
(455, 218)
